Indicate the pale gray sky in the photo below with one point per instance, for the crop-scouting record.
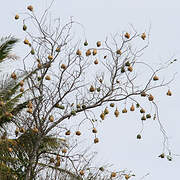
(118, 144)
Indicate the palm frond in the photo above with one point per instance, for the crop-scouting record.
(9, 86)
(51, 143)
(6, 172)
(6, 45)
(63, 171)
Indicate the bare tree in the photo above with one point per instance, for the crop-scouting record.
(69, 81)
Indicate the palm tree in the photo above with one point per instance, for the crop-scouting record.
(14, 152)
(10, 105)
(8, 86)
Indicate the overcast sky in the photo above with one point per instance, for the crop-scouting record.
(118, 144)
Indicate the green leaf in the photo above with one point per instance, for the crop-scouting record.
(6, 45)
